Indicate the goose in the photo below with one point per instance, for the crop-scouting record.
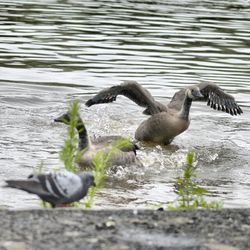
(56, 188)
(167, 122)
(125, 155)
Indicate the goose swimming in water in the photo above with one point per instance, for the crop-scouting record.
(166, 122)
(125, 155)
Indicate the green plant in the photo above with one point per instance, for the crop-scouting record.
(39, 170)
(101, 163)
(70, 152)
(70, 155)
(190, 194)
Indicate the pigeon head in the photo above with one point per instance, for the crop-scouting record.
(87, 178)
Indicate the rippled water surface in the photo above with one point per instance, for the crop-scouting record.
(52, 52)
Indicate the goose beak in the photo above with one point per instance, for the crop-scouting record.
(58, 119)
(61, 118)
(198, 94)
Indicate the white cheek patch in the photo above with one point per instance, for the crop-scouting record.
(189, 93)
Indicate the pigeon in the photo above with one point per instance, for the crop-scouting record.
(58, 188)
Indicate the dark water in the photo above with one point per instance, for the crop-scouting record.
(52, 52)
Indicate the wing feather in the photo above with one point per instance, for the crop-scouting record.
(219, 100)
(65, 184)
(32, 186)
(132, 90)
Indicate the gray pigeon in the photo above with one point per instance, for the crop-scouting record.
(56, 188)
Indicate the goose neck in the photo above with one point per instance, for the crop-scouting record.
(186, 108)
(83, 135)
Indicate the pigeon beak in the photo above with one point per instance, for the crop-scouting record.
(94, 184)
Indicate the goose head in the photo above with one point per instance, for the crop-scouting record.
(194, 93)
(65, 118)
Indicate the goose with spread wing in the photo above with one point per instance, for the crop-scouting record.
(166, 122)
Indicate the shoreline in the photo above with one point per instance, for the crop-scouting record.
(124, 229)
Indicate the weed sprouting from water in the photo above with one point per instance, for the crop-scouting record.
(70, 155)
(190, 194)
(39, 170)
(101, 163)
(70, 152)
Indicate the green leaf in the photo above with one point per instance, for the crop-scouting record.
(190, 194)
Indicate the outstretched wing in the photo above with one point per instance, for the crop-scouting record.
(217, 99)
(134, 92)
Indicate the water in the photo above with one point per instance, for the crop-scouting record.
(52, 52)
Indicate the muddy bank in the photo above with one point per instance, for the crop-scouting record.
(224, 229)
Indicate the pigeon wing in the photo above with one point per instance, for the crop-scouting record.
(65, 185)
(30, 185)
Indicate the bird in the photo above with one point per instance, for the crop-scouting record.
(125, 154)
(167, 121)
(57, 188)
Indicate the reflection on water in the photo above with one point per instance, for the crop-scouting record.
(52, 52)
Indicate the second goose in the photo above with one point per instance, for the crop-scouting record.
(123, 156)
